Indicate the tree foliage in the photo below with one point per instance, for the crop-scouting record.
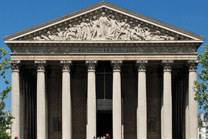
(5, 121)
(201, 85)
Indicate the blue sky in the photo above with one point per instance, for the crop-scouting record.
(191, 15)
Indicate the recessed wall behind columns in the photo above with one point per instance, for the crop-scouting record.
(129, 94)
(54, 94)
(28, 101)
(154, 89)
(179, 90)
(79, 99)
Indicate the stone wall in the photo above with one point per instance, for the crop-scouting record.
(154, 92)
(129, 93)
(79, 101)
(54, 91)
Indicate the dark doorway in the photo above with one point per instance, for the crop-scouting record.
(104, 123)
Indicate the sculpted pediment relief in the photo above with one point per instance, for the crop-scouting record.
(103, 21)
(104, 27)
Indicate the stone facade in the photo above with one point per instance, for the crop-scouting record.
(138, 70)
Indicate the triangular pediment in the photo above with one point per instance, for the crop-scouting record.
(106, 22)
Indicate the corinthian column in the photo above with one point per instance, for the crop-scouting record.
(193, 124)
(91, 100)
(142, 101)
(116, 99)
(167, 101)
(15, 99)
(41, 100)
(66, 100)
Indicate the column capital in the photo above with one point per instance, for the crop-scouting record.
(66, 65)
(91, 64)
(141, 65)
(192, 64)
(15, 65)
(40, 65)
(116, 64)
(167, 65)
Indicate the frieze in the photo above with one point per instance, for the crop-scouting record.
(103, 50)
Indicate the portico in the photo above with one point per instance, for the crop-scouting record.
(139, 71)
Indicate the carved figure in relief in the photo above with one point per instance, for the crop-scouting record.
(79, 31)
(135, 35)
(140, 32)
(70, 33)
(125, 30)
(83, 27)
(104, 23)
(114, 27)
(60, 33)
(95, 26)
(88, 30)
(103, 28)
(52, 36)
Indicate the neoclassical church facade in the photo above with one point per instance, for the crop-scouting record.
(104, 70)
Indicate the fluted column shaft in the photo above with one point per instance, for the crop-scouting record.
(41, 100)
(167, 101)
(91, 100)
(193, 124)
(142, 101)
(116, 99)
(15, 99)
(66, 101)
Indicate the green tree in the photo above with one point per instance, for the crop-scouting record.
(201, 86)
(5, 121)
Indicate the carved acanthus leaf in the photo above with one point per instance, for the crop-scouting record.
(192, 64)
(116, 65)
(167, 65)
(66, 65)
(91, 64)
(141, 65)
(15, 64)
(40, 65)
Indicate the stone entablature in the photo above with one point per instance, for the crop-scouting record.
(64, 50)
